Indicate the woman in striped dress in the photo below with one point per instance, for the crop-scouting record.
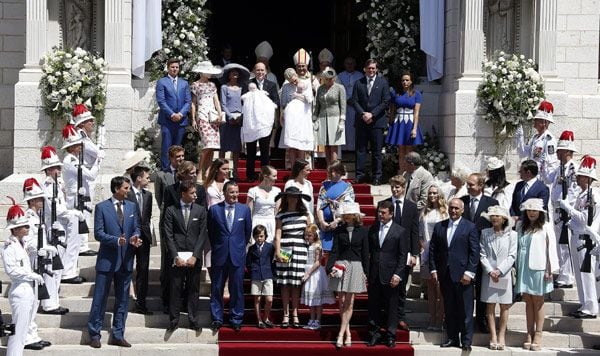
(291, 250)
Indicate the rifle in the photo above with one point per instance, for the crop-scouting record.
(81, 198)
(40, 269)
(55, 233)
(564, 215)
(588, 245)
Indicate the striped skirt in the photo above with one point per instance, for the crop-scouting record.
(291, 273)
(353, 280)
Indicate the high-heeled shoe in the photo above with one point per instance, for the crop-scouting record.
(338, 342)
(348, 341)
(526, 345)
(536, 344)
(296, 323)
(285, 323)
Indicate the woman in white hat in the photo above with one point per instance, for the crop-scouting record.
(537, 260)
(206, 112)
(498, 254)
(351, 250)
(496, 185)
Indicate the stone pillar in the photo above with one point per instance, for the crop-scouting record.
(37, 22)
(473, 48)
(545, 49)
(117, 40)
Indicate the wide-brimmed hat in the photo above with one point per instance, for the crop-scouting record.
(545, 111)
(133, 158)
(566, 141)
(292, 191)
(50, 158)
(32, 189)
(16, 216)
(80, 114)
(494, 163)
(498, 211)
(243, 71)
(207, 67)
(350, 208)
(328, 73)
(587, 167)
(533, 204)
(71, 137)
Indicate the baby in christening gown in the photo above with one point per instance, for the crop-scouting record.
(259, 114)
(297, 124)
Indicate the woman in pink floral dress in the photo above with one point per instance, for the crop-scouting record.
(206, 113)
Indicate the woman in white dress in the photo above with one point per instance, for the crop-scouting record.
(299, 179)
(498, 254)
(296, 100)
(435, 211)
(496, 185)
(217, 176)
(261, 201)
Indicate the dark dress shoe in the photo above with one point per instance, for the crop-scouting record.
(450, 343)
(34, 346)
(390, 342)
(236, 327)
(74, 280)
(57, 311)
(560, 285)
(374, 340)
(216, 325)
(195, 327)
(142, 310)
(581, 315)
(173, 325)
(119, 342)
(45, 343)
(596, 347)
(467, 348)
(88, 253)
(403, 326)
(95, 343)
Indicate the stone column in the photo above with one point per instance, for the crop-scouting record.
(473, 48)
(545, 49)
(37, 21)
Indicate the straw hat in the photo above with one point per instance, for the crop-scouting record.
(292, 191)
(32, 189)
(350, 208)
(16, 216)
(498, 211)
(545, 111)
(533, 204)
(494, 163)
(207, 67)
(133, 158)
(243, 71)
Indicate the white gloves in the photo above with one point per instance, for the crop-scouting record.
(36, 278)
(565, 205)
(101, 154)
(48, 251)
(341, 127)
(78, 214)
(57, 226)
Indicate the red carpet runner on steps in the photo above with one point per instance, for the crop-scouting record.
(299, 342)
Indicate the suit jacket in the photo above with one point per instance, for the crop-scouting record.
(145, 213)
(376, 103)
(107, 230)
(416, 190)
(229, 245)
(346, 250)
(409, 221)
(182, 237)
(172, 195)
(479, 221)
(537, 190)
(268, 86)
(260, 263)
(162, 181)
(171, 101)
(390, 258)
(462, 254)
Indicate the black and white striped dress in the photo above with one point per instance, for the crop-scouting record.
(293, 225)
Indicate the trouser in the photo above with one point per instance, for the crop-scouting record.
(263, 144)
(402, 294)
(383, 306)
(480, 307)
(185, 281)
(170, 135)
(586, 282)
(219, 275)
(364, 136)
(21, 298)
(32, 332)
(165, 267)
(84, 238)
(458, 307)
(52, 285)
(71, 253)
(565, 274)
(142, 262)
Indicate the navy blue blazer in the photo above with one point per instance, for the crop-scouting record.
(479, 221)
(376, 103)
(260, 264)
(171, 101)
(462, 254)
(225, 244)
(537, 190)
(107, 230)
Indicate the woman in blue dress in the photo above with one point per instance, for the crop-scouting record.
(537, 260)
(333, 192)
(405, 131)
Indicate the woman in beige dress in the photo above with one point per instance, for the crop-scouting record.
(329, 115)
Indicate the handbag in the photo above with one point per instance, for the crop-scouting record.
(338, 270)
(214, 117)
(286, 255)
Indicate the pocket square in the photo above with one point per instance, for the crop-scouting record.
(131, 215)
(240, 219)
(195, 219)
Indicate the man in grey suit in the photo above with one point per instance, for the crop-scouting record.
(185, 229)
(370, 97)
(418, 180)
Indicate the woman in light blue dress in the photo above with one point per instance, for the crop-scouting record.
(537, 260)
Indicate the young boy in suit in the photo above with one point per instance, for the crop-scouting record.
(259, 262)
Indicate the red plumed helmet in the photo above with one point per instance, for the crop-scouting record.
(49, 157)
(545, 111)
(546, 106)
(566, 141)
(80, 114)
(32, 189)
(587, 167)
(16, 216)
(70, 136)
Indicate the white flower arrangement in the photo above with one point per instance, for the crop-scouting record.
(510, 92)
(434, 160)
(69, 77)
(392, 34)
(144, 138)
(183, 36)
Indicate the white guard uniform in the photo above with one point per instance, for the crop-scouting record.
(541, 149)
(586, 282)
(92, 156)
(31, 247)
(21, 295)
(565, 275)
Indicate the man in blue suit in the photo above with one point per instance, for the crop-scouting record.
(370, 97)
(453, 258)
(229, 231)
(529, 187)
(174, 100)
(117, 227)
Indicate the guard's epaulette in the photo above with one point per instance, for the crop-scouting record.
(73, 159)
(549, 136)
(48, 180)
(7, 242)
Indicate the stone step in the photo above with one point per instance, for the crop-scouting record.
(167, 348)
(434, 350)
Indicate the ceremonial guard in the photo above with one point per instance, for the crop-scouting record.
(542, 146)
(17, 266)
(93, 154)
(61, 224)
(585, 224)
(34, 196)
(565, 179)
(76, 177)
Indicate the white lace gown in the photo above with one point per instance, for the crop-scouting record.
(297, 119)
(426, 225)
(263, 212)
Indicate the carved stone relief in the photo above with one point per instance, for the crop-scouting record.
(78, 24)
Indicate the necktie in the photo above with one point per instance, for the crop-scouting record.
(260, 85)
(473, 207)
(260, 248)
(186, 214)
(451, 231)
(382, 231)
(370, 86)
(140, 201)
(120, 213)
(398, 213)
(175, 84)
(523, 192)
(229, 217)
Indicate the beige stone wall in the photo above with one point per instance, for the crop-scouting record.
(12, 58)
